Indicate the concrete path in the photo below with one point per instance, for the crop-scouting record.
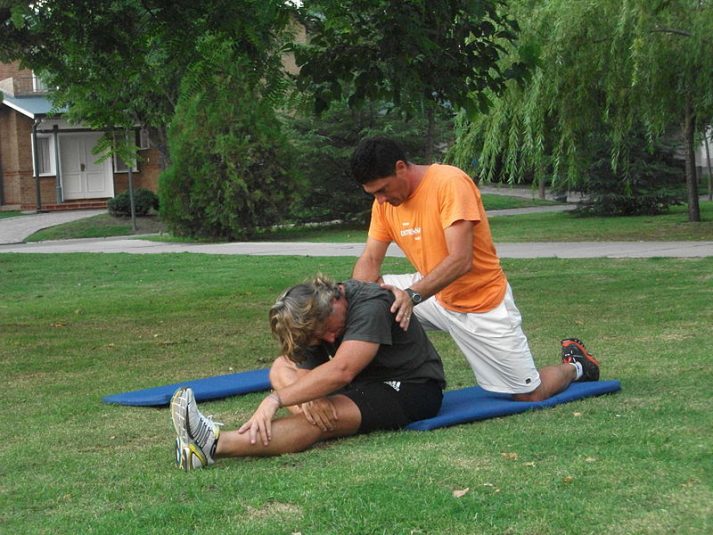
(17, 229)
(690, 249)
(531, 210)
(526, 192)
(14, 230)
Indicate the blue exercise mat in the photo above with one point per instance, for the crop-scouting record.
(473, 403)
(220, 386)
(459, 406)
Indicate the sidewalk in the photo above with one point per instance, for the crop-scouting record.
(14, 230)
(691, 249)
(525, 192)
(17, 229)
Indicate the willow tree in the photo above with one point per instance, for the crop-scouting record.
(609, 66)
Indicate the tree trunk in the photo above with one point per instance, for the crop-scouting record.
(542, 187)
(708, 158)
(430, 131)
(689, 128)
(159, 138)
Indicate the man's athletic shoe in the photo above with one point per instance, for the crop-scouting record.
(197, 435)
(573, 350)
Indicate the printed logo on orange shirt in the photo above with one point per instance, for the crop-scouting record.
(411, 232)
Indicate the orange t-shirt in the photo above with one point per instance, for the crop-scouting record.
(445, 195)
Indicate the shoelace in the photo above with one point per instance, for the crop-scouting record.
(571, 351)
(210, 419)
(205, 426)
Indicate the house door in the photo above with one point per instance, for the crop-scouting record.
(82, 176)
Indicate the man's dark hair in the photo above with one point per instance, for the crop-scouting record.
(376, 157)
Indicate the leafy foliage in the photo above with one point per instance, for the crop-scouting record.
(144, 201)
(120, 63)
(609, 67)
(232, 167)
(325, 144)
(654, 181)
(406, 53)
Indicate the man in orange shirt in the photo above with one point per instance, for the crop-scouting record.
(435, 214)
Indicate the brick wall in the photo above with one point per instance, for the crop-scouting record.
(20, 187)
(48, 192)
(147, 177)
(23, 159)
(16, 147)
(9, 70)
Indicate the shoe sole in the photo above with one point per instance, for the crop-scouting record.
(178, 417)
(179, 453)
(185, 454)
(185, 449)
(179, 410)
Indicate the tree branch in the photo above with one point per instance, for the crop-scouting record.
(673, 31)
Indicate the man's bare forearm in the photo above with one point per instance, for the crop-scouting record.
(449, 270)
(367, 269)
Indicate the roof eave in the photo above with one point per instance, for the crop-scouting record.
(23, 111)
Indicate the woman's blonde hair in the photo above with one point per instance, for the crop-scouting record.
(300, 313)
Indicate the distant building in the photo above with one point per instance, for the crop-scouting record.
(47, 163)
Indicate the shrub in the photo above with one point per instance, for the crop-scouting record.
(144, 201)
(325, 144)
(651, 181)
(231, 169)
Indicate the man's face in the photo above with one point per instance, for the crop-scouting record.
(393, 189)
(333, 328)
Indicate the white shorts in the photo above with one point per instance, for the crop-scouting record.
(493, 342)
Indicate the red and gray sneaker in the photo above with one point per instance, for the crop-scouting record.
(573, 350)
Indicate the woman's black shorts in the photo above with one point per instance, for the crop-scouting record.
(394, 404)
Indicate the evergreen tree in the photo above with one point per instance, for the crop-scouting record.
(325, 144)
(231, 169)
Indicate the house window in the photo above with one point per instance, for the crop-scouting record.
(45, 156)
(38, 85)
(144, 142)
(121, 167)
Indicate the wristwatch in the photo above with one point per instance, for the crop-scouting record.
(416, 297)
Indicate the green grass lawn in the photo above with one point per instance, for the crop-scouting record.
(552, 226)
(563, 226)
(105, 225)
(75, 327)
(549, 226)
(9, 213)
(99, 226)
(504, 202)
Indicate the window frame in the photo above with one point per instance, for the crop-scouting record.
(144, 142)
(50, 155)
(123, 168)
(38, 85)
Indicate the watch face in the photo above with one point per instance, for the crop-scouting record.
(415, 297)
